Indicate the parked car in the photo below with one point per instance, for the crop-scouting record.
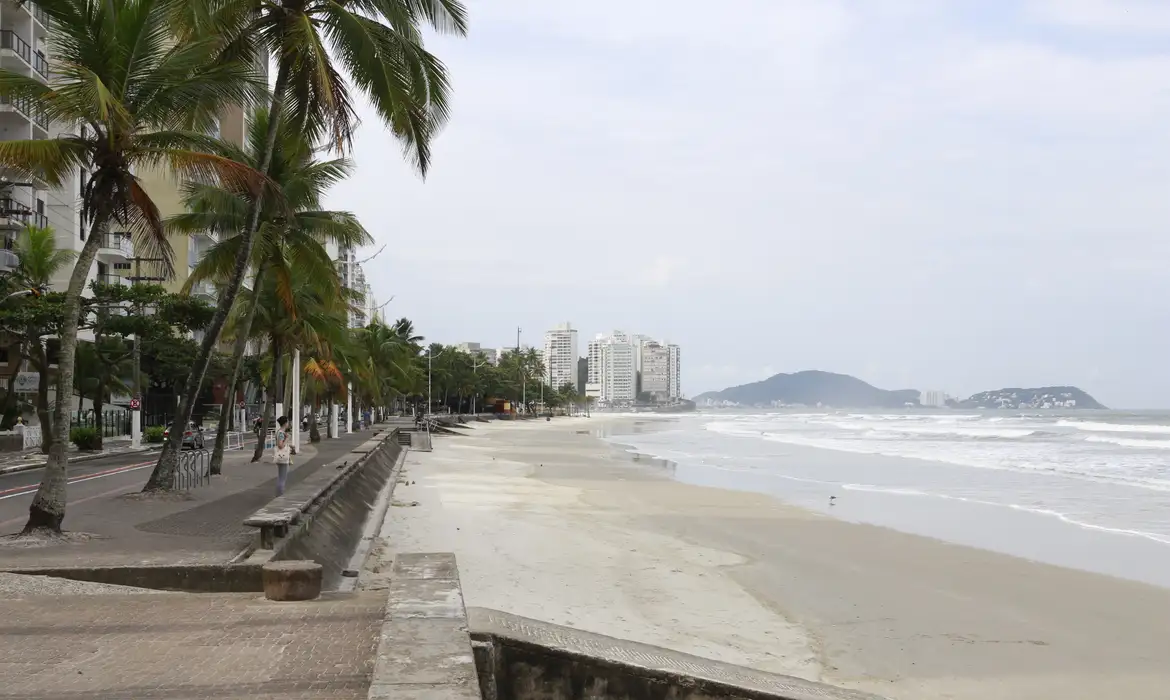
(192, 436)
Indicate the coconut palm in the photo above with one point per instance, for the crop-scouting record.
(137, 101)
(316, 45)
(293, 232)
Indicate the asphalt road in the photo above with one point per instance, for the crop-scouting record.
(87, 480)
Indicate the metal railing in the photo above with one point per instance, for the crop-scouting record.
(114, 423)
(28, 108)
(38, 13)
(16, 44)
(194, 469)
(108, 279)
(9, 260)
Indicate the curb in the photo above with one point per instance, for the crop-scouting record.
(29, 466)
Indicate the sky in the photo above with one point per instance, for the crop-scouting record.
(935, 194)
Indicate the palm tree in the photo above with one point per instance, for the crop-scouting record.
(138, 101)
(39, 261)
(295, 224)
(379, 44)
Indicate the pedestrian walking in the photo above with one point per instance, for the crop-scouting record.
(281, 454)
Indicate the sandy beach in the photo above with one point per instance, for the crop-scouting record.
(550, 522)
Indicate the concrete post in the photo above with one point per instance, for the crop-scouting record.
(296, 401)
(333, 420)
(349, 409)
(136, 428)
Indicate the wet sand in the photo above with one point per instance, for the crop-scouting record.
(550, 522)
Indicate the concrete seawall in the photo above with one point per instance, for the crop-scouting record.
(330, 531)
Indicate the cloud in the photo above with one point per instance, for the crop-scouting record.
(909, 191)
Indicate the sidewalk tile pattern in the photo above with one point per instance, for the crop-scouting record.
(156, 647)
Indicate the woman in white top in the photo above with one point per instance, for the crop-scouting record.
(282, 454)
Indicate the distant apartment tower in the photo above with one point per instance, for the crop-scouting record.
(613, 362)
(353, 279)
(474, 349)
(932, 399)
(675, 371)
(655, 368)
(560, 356)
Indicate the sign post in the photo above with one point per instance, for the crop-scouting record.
(136, 422)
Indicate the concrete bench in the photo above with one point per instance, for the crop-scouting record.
(292, 580)
(282, 512)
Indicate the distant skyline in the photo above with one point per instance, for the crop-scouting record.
(958, 195)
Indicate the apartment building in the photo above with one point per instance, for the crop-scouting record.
(560, 356)
(353, 278)
(655, 369)
(473, 349)
(612, 369)
(674, 372)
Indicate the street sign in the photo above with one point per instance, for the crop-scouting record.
(27, 382)
(241, 405)
(135, 404)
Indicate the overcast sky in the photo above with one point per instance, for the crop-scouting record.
(932, 194)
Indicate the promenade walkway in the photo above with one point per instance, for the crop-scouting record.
(169, 646)
(199, 526)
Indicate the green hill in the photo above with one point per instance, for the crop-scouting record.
(1042, 397)
(813, 387)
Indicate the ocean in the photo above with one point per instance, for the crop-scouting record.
(1084, 489)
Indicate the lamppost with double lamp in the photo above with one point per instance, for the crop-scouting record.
(430, 356)
(475, 366)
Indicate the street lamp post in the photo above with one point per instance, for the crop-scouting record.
(430, 356)
(475, 366)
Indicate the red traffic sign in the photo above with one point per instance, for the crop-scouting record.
(240, 404)
(135, 404)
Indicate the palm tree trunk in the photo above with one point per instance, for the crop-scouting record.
(43, 416)
(48, 507)
(98, 405)
(15, 360)
(241, 348)
(265, 419)
(314, 430)
(161, 479)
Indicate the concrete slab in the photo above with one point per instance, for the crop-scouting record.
(423, 692)
(420, 598)
(432, 651)
(534, 650)
(432, 565)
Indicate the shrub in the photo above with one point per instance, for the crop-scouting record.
(85, 438)
(154, 434)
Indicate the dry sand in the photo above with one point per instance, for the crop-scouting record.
(551, 523)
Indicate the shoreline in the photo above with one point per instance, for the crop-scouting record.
(552, 522)
(1019, 530)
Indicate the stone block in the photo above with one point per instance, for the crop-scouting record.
(292, 580)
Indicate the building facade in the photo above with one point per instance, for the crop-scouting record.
(473, 349)
(613, 362)
(655, 370)
(560, 356)
(674, 371)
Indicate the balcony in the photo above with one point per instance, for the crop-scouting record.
(41, 17)
(112, 280)
(116, 246)
(27, 109)
(12, 42)
(8, 260)
(204, 289)
(15, 215)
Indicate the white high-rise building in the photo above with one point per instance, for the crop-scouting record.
(932, 399)
(674, 370)
(353, 278)
(473, 349)
(560, 356)
(655, 368)
(613, 362)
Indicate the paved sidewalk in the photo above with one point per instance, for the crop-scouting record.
(202, 526)
(233, 646)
